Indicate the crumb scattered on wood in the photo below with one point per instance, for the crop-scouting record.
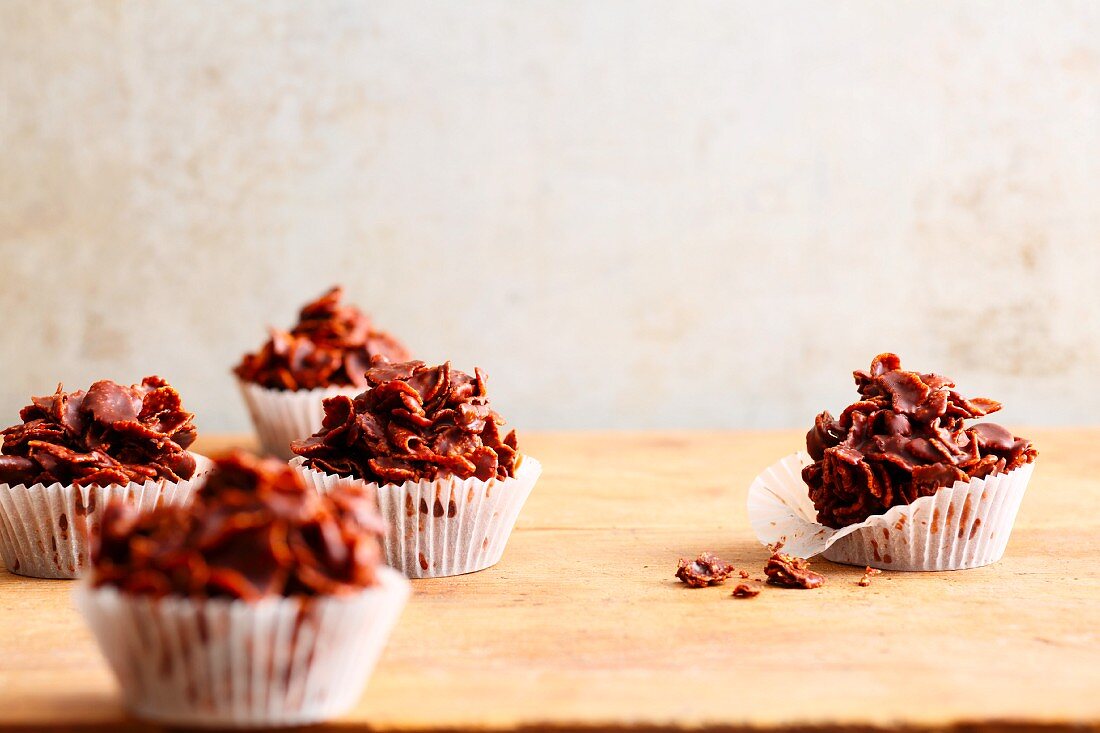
(744, 591)
(707, 569)
(787, 571)
(868, 573)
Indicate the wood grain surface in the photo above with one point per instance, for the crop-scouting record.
(581, 625)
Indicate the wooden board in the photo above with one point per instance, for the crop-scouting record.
(582, 624)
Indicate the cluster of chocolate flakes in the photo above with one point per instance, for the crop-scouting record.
(781, 570)
(332, 345)
(903, 439)
(109, 434)
(254, 530)
(415, 422)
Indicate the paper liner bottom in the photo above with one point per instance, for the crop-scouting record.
(445, 527)
(966, 525)
(222, 663)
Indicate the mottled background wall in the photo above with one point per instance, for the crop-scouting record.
(638, 214)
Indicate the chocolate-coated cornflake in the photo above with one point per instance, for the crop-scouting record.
(415, 422)
(786, 571)
(707, 569)
(254, 530)
(110, 434)
(903, 439)
(745, 591)
(332, 345)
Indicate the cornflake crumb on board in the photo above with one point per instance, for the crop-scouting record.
(707, 569)
(868, 573)
(786, 571)
(744, 591)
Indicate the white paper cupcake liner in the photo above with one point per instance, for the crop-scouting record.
(216, 662)
(44, 530)
(444, 527)
(282, 416)
(966, 525)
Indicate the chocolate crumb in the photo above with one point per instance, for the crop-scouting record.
(868, 573)
(744, 591)
(786, 571)
(707, 569)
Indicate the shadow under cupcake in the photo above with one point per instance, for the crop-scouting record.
(323, 355)
(900, 480)
(450, 485)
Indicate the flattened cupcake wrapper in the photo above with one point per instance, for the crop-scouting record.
(966, 525)
(216, 662)
(445, 527)
(282, 416)
(44, 530)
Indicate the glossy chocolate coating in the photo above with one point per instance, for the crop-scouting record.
(904, 438)
(253, 530)
(414, 422)
(332, 345)
(110, 434)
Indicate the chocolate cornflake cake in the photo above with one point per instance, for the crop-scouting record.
(332, 345)
(415, 422)
(904, 438)
(109, 434)
(253, 530)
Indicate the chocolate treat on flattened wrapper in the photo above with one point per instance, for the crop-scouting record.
(75, 451)
(904, 438)
(900, 480)
(450, 482)
(208, 615)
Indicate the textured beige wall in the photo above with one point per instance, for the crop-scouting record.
(635, 214)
